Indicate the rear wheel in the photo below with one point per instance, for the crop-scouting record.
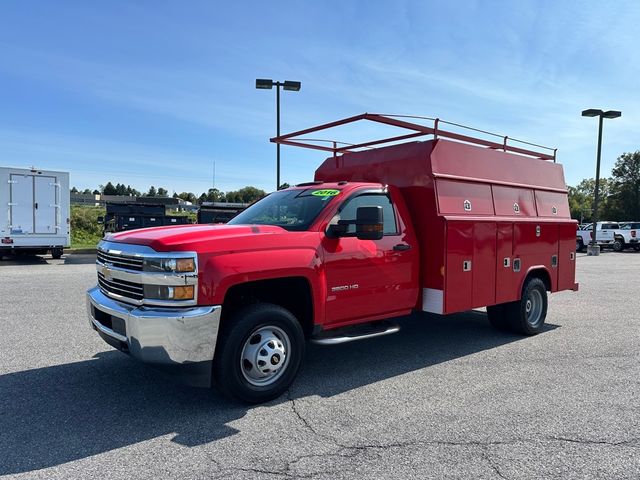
(56, 253)
(527, 315)
(259, 353)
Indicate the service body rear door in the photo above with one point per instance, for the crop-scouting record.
(21, 203)
(45, 205)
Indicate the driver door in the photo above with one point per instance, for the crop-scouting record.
(367, 278)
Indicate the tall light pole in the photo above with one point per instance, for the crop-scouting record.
(268, 84)
(594, 112)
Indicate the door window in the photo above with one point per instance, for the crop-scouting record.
(348, 211)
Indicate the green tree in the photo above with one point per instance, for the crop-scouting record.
(74, 190)
(283, 186)
(245, 195)
(162, 192)
(581, 199)
(212, 195)
(109, 189)
(187, 197)
(152, 192)
(624, 199)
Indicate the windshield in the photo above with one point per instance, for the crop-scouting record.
(293, 210)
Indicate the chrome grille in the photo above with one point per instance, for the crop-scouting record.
(121, 261)
(122, 288)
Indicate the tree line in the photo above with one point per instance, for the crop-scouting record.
(247, 194)
(619, 193)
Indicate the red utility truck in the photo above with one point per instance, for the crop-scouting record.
(442, 226)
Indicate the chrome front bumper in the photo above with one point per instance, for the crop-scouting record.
(181, 340)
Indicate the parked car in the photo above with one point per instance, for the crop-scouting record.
(627, 236)
(605, 235)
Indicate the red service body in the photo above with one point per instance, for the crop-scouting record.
(484, 219)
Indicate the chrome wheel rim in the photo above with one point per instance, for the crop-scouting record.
(265, 355)
(533, 308)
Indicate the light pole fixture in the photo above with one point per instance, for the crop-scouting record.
(594, 112)
(268, 84)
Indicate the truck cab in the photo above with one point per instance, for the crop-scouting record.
(378, 234)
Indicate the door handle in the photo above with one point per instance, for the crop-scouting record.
(401, 247)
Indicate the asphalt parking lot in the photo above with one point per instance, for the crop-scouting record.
(444, 398)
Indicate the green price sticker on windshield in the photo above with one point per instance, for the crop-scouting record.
(325, 193)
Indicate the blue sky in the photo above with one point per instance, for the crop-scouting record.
(155, 92)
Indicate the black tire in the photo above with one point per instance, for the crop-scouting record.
(618, 244)
(497, 315)
(56, 253)
(238, 334)
(636, 248)
(527, 315)
(579, 245)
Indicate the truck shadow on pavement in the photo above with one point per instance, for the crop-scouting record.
(57, 414)
(15, 260)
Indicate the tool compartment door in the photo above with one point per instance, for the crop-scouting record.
(21, 203)
(45, 205)
(458, 268)
(566, 257)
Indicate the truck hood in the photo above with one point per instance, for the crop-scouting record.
(204, 238)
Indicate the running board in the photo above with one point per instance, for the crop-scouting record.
(358, 332)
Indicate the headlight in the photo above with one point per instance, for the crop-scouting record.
(182, 265)
(162, 292)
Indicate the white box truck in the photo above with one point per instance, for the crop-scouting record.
(35, 211)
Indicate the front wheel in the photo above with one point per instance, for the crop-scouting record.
(259, 353)
(579, 245)
(527, 315)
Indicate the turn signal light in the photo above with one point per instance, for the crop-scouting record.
(372, 228)
(183, 293)
(162, 292)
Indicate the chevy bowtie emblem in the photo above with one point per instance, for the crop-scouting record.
(106, 272)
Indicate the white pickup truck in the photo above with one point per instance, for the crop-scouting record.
(605, 235)
(627, 236)
(618, 236)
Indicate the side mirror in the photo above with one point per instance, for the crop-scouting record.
(369, 223)
(337, 230)
(100, 220)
